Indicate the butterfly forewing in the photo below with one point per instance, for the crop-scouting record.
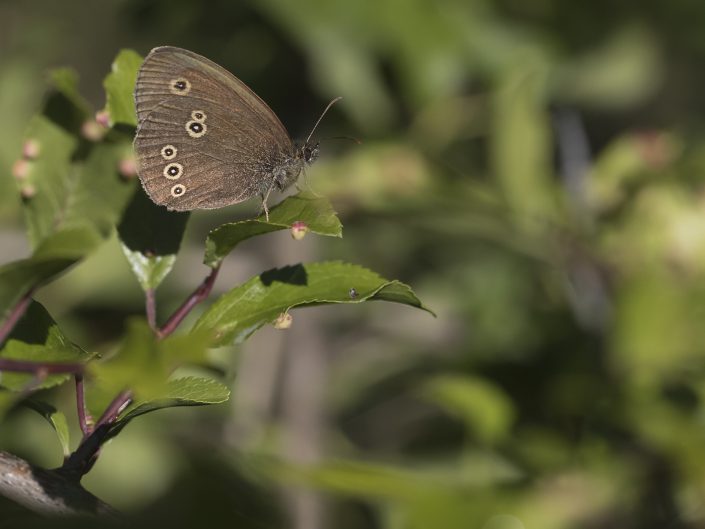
(204, 139)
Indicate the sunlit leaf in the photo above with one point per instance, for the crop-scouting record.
(315, 212)
(56, 419)
(246, 308)
(150, 236)
(119, 88)
(186, 391)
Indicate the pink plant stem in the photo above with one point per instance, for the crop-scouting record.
(50, 368)
(85, 455)
(84, 418)
(114, 408)
(194, 299)
(83, 458)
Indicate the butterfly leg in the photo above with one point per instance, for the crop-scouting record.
(307, 184)
(265, 196)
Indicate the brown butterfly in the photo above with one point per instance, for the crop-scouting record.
(205, 140)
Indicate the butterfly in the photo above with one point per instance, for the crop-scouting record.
(205, 140)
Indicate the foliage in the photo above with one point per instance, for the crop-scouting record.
(73, 197)
(533, 169)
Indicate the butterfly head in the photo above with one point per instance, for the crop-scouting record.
(309, 153)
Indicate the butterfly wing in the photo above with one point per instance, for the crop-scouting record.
(204, 139)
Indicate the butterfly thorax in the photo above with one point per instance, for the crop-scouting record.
(288, 170)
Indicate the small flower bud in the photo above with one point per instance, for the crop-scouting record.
(20, 169)
(103, 118)
(30, 149)
(283, 321)
(92, 130)
(299, 230)
(127, 167)
(28, 191)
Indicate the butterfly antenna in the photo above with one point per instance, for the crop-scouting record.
(334, 101)
(351, 138)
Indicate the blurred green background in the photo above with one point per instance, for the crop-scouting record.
(534, 169)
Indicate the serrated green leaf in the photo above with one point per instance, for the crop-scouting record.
(46, 176)
(150, 270)
(56, 419)
(72, 183)
(151, 236)
(185, 391)
(74, 194)
(37, 338)
(246, 308)
(315, 212)
(119, 87)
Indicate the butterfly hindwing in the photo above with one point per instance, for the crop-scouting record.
(204, 140)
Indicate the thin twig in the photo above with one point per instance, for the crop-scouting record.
(194, 299)
(151, 308)
(84, 418)
(15, 314)
(84, 457)
(50, 368)
(115, 407)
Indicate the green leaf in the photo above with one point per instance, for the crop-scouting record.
(143, 363)
(64, 105)
(37, 338)
(54, 255)
(46, 176)
(73, 194)
(137, 364)
(119, 87)
(521, 142)
(315, 212)
(185, 391)
(56, 419)
(368, 479)
(71, 183)
(151, 236)
(75, 186)
(484, 408)
(149, 269)
(18, 277)
(7, 400)
(246, 308)
(180, 349)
